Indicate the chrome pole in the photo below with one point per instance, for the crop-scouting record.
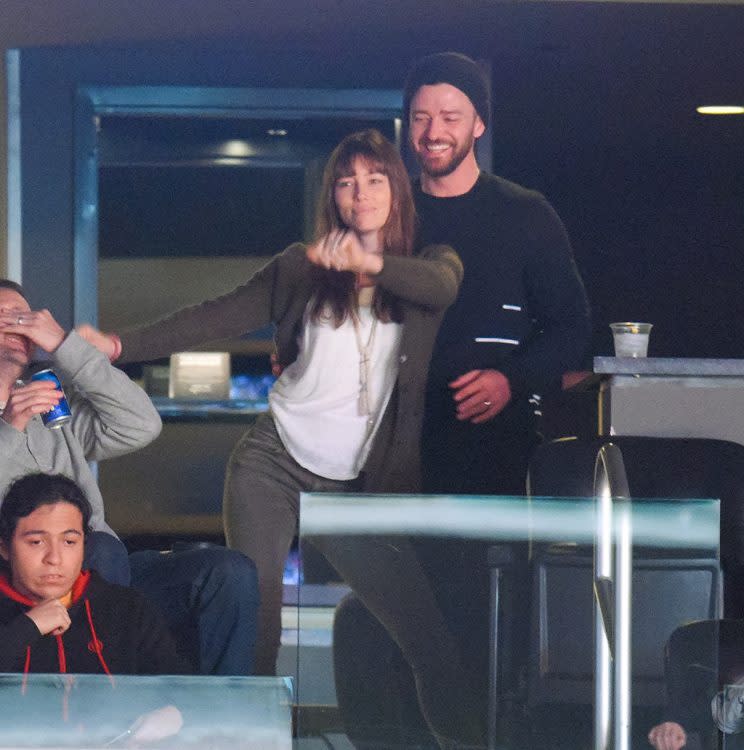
(602, 618)
(609, 482)
(623, 616)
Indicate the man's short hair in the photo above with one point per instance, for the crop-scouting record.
(32, 491)
(456, 69)
(14, 286)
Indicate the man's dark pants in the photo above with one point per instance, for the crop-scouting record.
(208, 595)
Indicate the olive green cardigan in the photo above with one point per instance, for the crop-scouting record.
(425, 286)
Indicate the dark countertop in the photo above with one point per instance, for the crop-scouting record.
(208, 410)
(669, 366)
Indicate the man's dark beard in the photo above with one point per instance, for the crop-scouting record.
(458, 157)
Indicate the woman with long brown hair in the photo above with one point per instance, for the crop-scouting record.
(356, 314)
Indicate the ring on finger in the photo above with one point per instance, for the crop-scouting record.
(20, 320)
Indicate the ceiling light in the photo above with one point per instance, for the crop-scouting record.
(719, 109)
(276, 131)
(237, 148)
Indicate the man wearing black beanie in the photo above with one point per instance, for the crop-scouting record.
(522, 318)
(520, 322)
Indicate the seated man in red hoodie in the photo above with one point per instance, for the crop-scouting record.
(56, 617)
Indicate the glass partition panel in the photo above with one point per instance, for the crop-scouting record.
(96, 711)
(502, 622)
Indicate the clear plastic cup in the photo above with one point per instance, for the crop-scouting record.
(631, 339)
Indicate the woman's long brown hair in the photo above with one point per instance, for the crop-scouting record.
(336, 289)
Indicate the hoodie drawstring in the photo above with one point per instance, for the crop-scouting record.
(61, 656)
(26, 667)
(95, 645)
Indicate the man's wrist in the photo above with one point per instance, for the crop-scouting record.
(60, 339)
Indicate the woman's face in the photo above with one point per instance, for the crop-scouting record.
(363, 198)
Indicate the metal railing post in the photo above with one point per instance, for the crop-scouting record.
(612, 584)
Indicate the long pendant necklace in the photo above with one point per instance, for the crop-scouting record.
(365, 357)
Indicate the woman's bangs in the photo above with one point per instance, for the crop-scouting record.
(344, 166)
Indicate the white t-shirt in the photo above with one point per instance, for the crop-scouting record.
(315, 401)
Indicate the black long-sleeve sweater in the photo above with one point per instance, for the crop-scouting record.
(522, 308)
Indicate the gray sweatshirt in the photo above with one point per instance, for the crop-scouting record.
(112, 416)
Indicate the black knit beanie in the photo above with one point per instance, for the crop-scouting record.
(454, 68)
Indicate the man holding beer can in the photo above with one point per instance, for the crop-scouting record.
(23, 330)
(114, 417)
